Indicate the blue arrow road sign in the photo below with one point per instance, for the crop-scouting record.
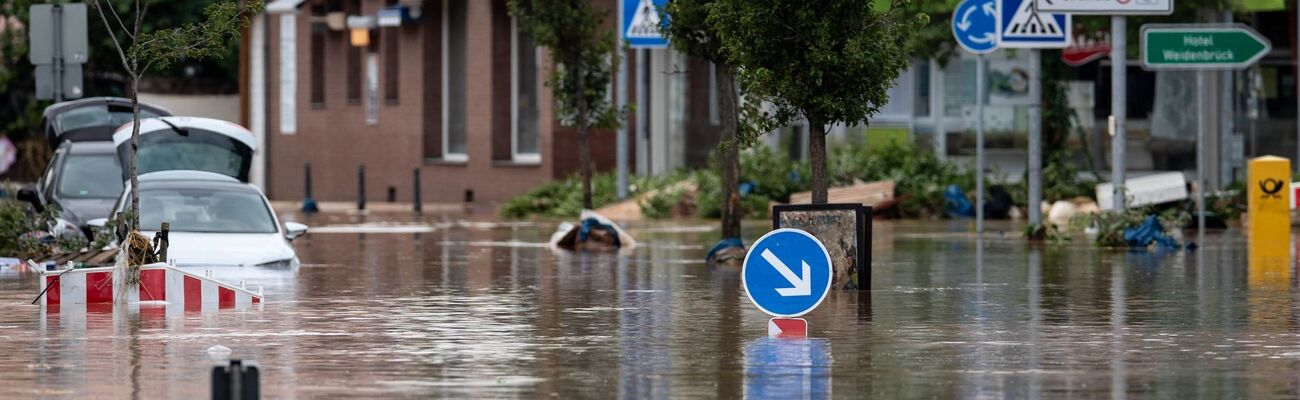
(975, 25)
(1023, 26)
(642, 21)
(787, 273)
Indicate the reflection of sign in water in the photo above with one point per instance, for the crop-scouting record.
(787, 273)
(788, 369)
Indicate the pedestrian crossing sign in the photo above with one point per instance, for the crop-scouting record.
(1023, 26)
(643, 23)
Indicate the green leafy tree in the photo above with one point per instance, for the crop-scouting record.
(691, 33)
(831, 61)
(141, 51)
(586, 55)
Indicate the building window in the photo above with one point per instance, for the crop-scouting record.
(318, 31)
(392, 65)
(431, 92)
(354, 60)
(523, 95)
(453, 81)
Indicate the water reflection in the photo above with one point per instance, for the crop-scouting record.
(474, 310)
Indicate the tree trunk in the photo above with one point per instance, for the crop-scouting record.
(135, 145)
(817, 156)
(584, 152)
(728, 100)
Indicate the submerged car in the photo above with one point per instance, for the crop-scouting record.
(215, 220)
(84, 176)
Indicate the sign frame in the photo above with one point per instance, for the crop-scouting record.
(863, 234)
(1022, 43)
(1201, 28)
(1100, 10)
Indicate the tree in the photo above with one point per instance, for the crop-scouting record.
(141, 51)
(831, 61)
(691, 33)
(586, 55)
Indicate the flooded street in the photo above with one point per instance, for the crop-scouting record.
(438, 308)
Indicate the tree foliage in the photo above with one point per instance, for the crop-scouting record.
(585, 56)
(829, 61)
(141, 51)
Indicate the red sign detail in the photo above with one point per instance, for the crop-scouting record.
(787, 328)
(1086, 49)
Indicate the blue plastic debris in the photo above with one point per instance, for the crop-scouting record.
(726, 250)
(1147, 232)
(956, 204)
(590, 224)
(746, 188)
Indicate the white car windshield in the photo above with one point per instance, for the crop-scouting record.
(205, 210)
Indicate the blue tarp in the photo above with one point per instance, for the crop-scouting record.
(1147, 232)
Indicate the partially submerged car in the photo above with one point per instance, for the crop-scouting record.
(83, 177)
(215, 220)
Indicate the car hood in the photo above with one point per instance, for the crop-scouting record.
(227, 249)
(78, 211)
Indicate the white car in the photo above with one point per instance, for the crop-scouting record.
(216, 220)
(193, 174)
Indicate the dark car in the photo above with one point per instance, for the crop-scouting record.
(82, 182)
(84, 177)
(91, 119)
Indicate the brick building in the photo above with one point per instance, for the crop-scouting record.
(450, 87)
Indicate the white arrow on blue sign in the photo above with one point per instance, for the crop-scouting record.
(975, 25)
(787, 273)
(1023, 26)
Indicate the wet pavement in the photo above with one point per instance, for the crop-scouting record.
(440, 308)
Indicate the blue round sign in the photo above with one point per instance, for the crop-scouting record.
(975, 25)
(787, 273)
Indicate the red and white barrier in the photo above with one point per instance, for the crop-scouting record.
(787, 328)
(1295, 194)
(160, 284)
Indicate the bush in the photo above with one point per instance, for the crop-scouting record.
(920, 177)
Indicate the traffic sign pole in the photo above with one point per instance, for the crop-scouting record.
(1118, 106)
(1200, 152)
(620, 139)
(1035, 138)
(979, 144)
(57, 12)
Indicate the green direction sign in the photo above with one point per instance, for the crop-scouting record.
(1201, 46)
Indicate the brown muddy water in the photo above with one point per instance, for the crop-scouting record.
(455, 309)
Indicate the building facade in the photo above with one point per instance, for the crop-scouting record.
(452, 88)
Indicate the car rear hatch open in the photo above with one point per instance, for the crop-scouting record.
(188, 143)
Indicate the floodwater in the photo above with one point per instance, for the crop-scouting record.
(439, 308)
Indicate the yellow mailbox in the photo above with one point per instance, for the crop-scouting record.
(1268, 199)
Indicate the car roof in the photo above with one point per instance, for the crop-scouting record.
(92, 147)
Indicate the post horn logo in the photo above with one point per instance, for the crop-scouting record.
(1271, 188)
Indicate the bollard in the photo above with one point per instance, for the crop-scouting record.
(308, 203)
(238, 380)
(415, 194)
(361, 187)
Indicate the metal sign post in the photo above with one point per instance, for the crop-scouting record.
(1118, 106)
(1201, 47)
(641, 27)
(977, 27)
(1024, 26)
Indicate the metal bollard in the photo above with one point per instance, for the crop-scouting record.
(418, 203)
(308, 203)
(361, 187)
(236, 381)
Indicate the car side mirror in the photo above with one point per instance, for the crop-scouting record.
(294, 230)
(28, 194)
